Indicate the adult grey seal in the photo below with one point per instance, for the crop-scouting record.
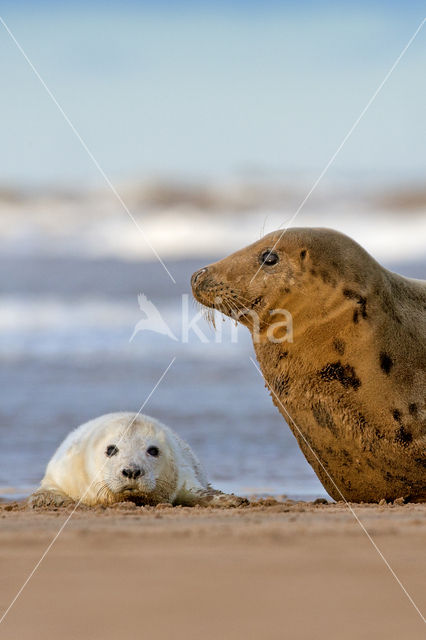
(353, 378)
(126, 457)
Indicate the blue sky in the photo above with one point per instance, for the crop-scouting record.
(211, 90)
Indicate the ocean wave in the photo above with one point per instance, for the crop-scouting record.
(196, 222)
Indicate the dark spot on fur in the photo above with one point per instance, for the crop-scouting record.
(379, 434)
(386, 362)
(355, 316)
(403, 437)
(339, 345)
(347, 455)
(303, 254)
(396, 415)
(286, 290)
(412, 408)
(348, 293)
(361, 421)
(360, 300)
(282, 385)
(369, 463)
(323, 417)
(420, 461)
(345, 374)
(313, 272)
(256, 302)
(282, 355)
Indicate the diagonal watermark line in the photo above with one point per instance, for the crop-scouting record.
(343, 497)
(86, 148)
(347, 136)
(52, 542)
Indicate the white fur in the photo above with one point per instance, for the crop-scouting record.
(80, 467)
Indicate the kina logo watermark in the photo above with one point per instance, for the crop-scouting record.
(278, 330)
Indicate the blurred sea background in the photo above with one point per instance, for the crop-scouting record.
(212, 120)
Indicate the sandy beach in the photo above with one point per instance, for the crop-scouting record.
(272, 570)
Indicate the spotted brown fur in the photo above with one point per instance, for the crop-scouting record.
(345, 374)
(403, 436)
(386, 362)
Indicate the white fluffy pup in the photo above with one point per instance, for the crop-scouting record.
(126, 456)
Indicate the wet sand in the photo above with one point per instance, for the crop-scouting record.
(271, 571)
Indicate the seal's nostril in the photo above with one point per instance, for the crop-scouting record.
(197, 275)
(132, 473)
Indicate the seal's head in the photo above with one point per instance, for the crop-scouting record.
(301, 265)
(134, 461)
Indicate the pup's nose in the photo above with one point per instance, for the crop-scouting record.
(132, 472)
(197, 275)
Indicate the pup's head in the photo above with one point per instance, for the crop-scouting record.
(137, 462)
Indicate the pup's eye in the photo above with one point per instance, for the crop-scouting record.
(111, 450)
(269, 258)
(153, 451)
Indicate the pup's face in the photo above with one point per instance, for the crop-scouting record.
(136, 465)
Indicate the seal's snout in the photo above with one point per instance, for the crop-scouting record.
(198, 276)
(132, 472)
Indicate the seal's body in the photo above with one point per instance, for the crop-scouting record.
(126, 456)
(351, 382)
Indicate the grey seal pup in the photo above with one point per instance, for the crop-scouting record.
(126, 457)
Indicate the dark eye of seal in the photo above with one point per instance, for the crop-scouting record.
(269, 258)
(153, 451)
(111, 450)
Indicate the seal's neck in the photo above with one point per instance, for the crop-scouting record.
(306, 315)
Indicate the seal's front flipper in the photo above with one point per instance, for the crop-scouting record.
(50, 499)
(211, 498)
(226, 500)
